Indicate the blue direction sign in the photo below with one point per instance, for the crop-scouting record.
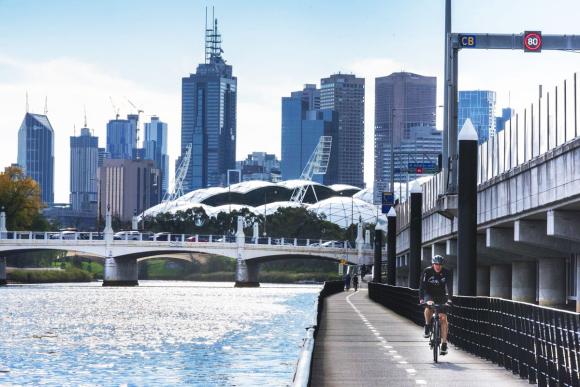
(387, 201)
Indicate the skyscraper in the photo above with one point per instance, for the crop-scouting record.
(345, 94)
(84, 159)
(208, 117)
(479, 106)
(303, 123)
(122, 137)
(155, 148)
(36, 153)
(403, 101)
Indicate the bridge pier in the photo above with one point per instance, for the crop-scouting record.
(500, 281)
(552, 281)
(120, 272)
(246, 274)
(3, 271)
(524, 281)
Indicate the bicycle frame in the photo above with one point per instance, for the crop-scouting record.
(435, 337)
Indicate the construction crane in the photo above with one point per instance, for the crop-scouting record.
(317, 165)
(115, 108)
(179, 177)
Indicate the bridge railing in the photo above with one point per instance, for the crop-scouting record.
(537, 343)
(172, 238)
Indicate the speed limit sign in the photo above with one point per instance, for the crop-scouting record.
(532, 41)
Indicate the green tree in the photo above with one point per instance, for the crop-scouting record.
(21, 200)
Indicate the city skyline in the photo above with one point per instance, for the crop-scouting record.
(73, 70)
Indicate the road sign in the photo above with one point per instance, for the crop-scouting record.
(343, 261)
(532, 41)
(387, 201)
(421, 168)
(467, 41)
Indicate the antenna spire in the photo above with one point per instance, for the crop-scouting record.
(27, 101)
(213, 39)
(85, 108)
(45, 105)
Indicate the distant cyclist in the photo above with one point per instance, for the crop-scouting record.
(434, 288)
(355, 282)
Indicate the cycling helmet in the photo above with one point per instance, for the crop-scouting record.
(437, 259)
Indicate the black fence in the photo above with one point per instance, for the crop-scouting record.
(537, 343)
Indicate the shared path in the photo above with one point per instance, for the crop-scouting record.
(361, 343)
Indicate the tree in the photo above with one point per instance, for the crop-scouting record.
(20, 198)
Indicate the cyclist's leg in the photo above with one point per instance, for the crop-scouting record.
(428, 313)
(444, 327)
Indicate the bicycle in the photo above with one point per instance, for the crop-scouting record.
(435, 336)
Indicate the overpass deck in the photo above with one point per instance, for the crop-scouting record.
(361, 343)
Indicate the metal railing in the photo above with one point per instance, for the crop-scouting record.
(173, 238)
(302, 373)
(537, 343)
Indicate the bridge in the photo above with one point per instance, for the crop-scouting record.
(122, 254)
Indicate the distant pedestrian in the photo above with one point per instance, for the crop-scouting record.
(355, 282)
(347, 281)
(363, 272)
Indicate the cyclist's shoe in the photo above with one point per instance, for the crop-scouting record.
(443, 349)
(427, 331)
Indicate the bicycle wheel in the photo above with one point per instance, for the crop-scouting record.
(436, 340)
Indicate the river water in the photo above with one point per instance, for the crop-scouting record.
(158, 334)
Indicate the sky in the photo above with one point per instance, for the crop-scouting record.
(81, 54)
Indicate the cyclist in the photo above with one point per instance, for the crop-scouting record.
(434, 288)
(355, 282)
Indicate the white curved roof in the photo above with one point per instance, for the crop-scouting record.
(343, 187)
(344, 211)
(366, 195)
(291, 184)
(247, 186)
(199, 195)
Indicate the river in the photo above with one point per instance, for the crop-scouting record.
(162, 333)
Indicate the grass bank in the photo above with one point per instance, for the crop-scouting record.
(70, 274)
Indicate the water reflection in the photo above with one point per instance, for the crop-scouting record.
(160, 333)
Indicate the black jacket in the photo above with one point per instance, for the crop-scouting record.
(435, 285)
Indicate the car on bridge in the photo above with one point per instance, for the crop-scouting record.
(337, 244)
(165, 236)
(127, 235)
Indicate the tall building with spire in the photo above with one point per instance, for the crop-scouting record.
(208, 117)
(36, 152)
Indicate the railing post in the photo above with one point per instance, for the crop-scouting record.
(467, 211)
(378, 255)
(415, 236)
(210, 239)
(90, 236)
(391, 247)
(295, 242)
(269, 240)
(196, 238)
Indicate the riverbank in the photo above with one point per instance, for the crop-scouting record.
(49, 275)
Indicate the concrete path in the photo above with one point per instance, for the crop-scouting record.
(361, 343)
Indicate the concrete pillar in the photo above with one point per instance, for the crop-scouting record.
(552, 281)
(3, 230)
(483, 281)
(524, 281)
(2, 271)
(120, 272)
(500, 281)
(246, 274)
